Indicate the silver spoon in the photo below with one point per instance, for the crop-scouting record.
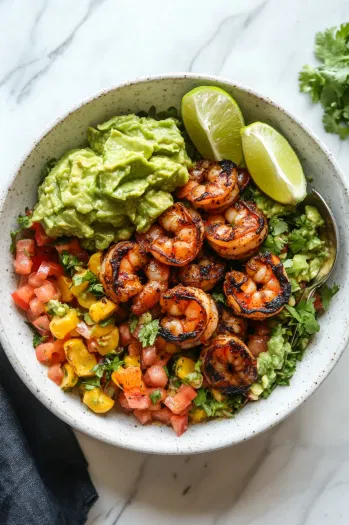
(329, 233)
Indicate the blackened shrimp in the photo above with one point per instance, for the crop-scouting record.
(191, 316)
(178, 237)
(244, 178)
(204, 272)
(211, 185)
(237, 233)
(262, 291)
(230, 324)
(158, 275)
(120, 279)
(257, 341)
(228, 365)
(119, 268)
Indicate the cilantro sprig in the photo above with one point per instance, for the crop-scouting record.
(110, 364)
(94, 287)
(70, 263)
(148, 333)
(24, 222)
(328, 83)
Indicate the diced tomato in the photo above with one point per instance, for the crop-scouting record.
(144, 416)
(46, 291)
(40, 235)
(162, 391)
(138, 400)
(36, 306)
(50, 268)
(23, 295)
(181, 400)
(179, 424)
(23, 279)
(42, 324)
(155, 376)
(92, 345)
(73, 247)
(55, 373)
(155, 407)
(124, 402)
(126, 337)
(35, 281)
(163, 415)
(318, 303)
(44, 254)
(163, 359)
(50, 353)
(25, 249)
(149, 356)
(134, 349)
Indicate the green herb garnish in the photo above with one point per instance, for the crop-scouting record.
(155, 396)
(148, 333)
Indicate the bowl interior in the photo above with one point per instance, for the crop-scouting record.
(117, 428)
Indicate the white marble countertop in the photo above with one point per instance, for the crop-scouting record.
(55, 53)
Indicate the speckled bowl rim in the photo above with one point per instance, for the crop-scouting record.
(228, 440)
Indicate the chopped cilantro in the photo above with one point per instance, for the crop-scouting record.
(148, 333)
(107, 322)
(24, 222)
(133, 322)
(219, 297)
(155, 396)
(38, 339)
(166, 370)
(92, 383)
(327, 293)
(110, 364)
(69, 262)
(95, 287)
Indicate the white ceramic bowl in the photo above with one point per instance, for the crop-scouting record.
(119, 429)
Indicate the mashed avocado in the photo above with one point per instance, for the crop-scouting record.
(120, 183)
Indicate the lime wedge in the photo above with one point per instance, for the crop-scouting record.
(213, 120)
(273, 164)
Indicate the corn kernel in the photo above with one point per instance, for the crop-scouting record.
(132, 361)
(184, 367)
(102, 309)
(69, 378)
(94, 263)
(197, 415)
(61, 326)
(98, 401)
(79, 357)
(64, 283)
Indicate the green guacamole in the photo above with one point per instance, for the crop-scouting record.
(119, 184)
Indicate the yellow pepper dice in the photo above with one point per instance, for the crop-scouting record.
(99, 331)
(132, 361)
(184, 367)
(86, 299)
(102, 309)
(61, 326)
(79, 357)
(69, 378)
(64, 284)
(94, 263)
(98, 401)
(107, 343)
(77, 289)
(197, 415)
(217, 395)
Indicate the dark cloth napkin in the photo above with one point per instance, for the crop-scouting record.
(43, 472)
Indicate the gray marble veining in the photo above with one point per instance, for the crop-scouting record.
(57, 52)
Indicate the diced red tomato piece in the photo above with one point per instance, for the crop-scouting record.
(156, 376)
(42, 324)
(23, 279)
(179, 424)
(25, 249)
(124, 402)
(126, 337)
(55, 373)
(149, 356)
(40, 235)
(40, 352)
(134, 349)
(35, 281)
(92, 345)
(48, 268)
(50, 353)
(36, 307)
(155, 407)
(163, 359)
(73, 247)
(23, 295)
(138, 400)
(46, 292)
(157, 389)
(144, 416)
(181, 400)
(163, 415)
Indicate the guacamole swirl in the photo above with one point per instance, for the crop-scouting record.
(121, 183)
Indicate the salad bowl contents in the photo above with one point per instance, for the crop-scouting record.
(162, 268)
